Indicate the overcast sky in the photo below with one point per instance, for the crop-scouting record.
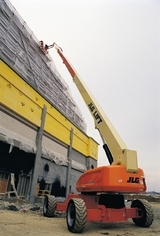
(115, 47)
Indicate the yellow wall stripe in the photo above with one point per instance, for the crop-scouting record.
(21, 98)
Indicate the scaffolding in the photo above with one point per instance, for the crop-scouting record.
(19, 48)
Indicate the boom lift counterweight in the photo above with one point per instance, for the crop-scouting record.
(102, 188)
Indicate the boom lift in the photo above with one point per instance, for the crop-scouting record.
(102, 189)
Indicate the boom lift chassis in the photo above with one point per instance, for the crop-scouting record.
(103, 207)
(102, 189)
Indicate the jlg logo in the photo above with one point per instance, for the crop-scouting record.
(133, 180)
(95, 113)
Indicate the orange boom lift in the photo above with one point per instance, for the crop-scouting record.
(101, 190)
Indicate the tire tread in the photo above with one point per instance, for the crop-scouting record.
(149, 215)
(80, 216)
(50, 211)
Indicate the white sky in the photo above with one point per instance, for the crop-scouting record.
(115, 47)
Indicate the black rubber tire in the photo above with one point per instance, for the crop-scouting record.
(49, 206)
(145, 211)
(76, 216)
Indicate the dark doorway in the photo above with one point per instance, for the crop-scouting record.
(16, 161)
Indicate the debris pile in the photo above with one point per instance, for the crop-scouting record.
(22, 206)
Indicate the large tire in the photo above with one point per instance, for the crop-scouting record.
(144, 211)
(76, 216)
(49, 206)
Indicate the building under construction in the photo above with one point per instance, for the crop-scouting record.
(43, 141)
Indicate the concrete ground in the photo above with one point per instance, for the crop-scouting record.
(24, 222)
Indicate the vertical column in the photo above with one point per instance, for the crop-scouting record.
(38, 155)
(69, 163)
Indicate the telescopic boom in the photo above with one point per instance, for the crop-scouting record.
(113, 145)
